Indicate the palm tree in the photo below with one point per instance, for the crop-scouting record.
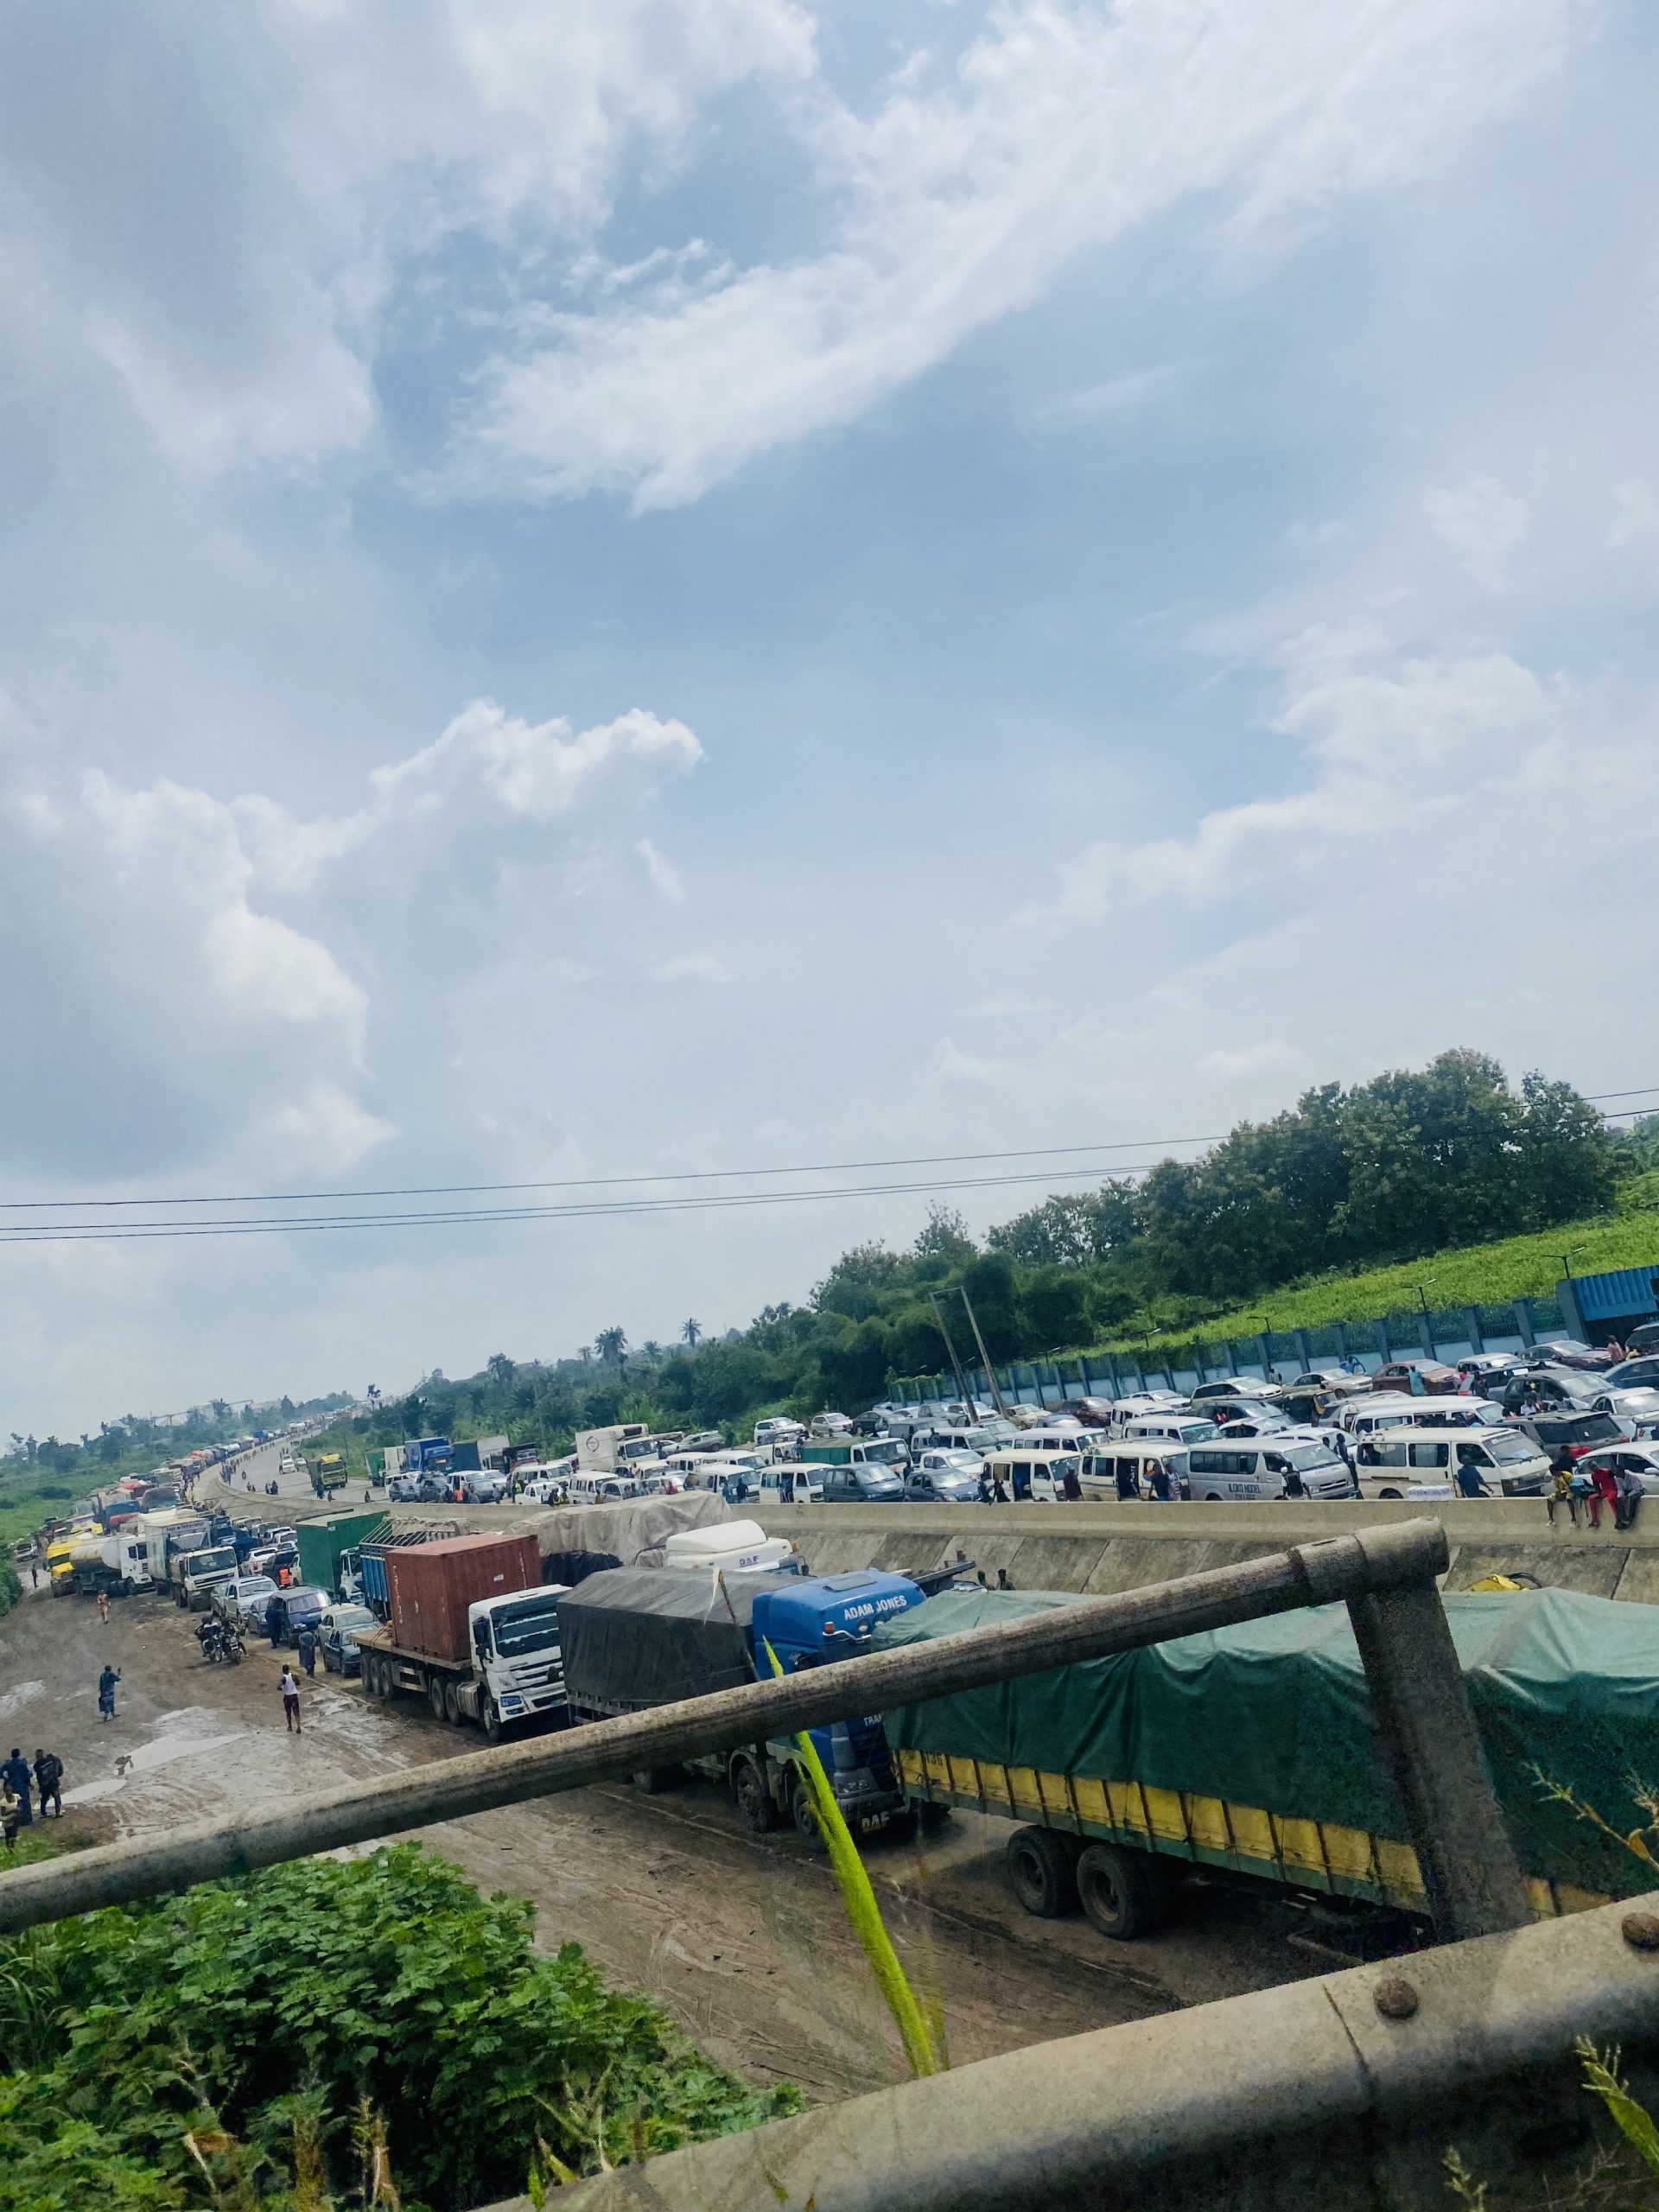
(584, 1353)
(611, 1344)
(499, 1368)
(691, 1333)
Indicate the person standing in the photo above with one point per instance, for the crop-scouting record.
(15, 1773)
(290, 1686)
(307, 1641)
(8, 1816)
(276, 1620)
(103, 1607)
(1469, 1481)
(48, 1781)
(106, 1682)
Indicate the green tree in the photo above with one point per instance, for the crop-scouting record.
(611, 1346)
(691, 1333)
(499, 1369)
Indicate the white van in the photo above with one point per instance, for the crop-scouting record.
(1138, 1463)
(805, 1483)
(1168, 1428)
(1265, 1467)
(1371, 1416)
(1032, 1471)
(1401, 1461)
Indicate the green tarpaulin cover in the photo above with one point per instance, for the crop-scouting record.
(1277, 1715)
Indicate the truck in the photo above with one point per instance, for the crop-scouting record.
(635, 1638)
(1250, 1755)
(373, 1587)
(194, 1576)
(608, 1450)
(323, 1543)
(328, 1472)
(479, 1455)
(473, 1630)
(176, 1528)
(118, 1563)
(854, 1451)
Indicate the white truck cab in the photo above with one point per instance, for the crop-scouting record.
(728, 1547)
(516, 1670)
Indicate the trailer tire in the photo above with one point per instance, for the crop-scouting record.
(435, 1695)
(1123, 1893)
(651, 1780)
(451, 1703)
(1041, 1873)
(935, 1819)
(750, 1795)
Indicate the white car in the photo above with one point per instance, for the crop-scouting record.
(776, 1430)
(244, 1598)
(828, 1424)
(1236, 1385)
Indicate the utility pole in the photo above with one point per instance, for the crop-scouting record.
(984, 1356)
(951, 1350)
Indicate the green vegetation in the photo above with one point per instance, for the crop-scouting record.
(1445, 1180)
(325, 2034)
(1476, 1275)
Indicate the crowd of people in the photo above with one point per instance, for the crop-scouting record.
(21, 1784)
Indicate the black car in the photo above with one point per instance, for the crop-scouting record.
(1578, 1432)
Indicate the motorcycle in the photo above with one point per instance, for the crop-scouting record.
(219, 1643)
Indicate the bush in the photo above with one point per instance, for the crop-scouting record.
(264, 2017)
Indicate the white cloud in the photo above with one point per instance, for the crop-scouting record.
(304, 164)
(1115, 399)
(1480, 520)
(234, 964)
(1399, 748)
(660, 871)
(692, 968)
(1266, 1058)
(1061, 128)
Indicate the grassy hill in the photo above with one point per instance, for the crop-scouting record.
(1472, 1274)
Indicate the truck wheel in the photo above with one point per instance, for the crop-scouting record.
(935, 1819)
(1122, 1892)
(452, 1704)
(804, 1813)
(489, 1718)
(651, 1780)
(751, 1797)
(128, 1585)
(435, 1695)
(1041, 1873)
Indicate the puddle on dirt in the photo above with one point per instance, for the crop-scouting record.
(178, 1736)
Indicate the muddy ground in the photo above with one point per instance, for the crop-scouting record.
(743, 1938)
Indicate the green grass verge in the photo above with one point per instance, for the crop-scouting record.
(1471, 1275)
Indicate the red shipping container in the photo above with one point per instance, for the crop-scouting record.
(431, 1586)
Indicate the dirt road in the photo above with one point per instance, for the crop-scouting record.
(743, 1938)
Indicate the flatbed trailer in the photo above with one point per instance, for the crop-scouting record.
(1252, 1754)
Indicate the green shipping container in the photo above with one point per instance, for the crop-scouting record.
(322, 1541)
(1255, 1748)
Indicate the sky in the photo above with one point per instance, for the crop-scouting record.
(594, 592)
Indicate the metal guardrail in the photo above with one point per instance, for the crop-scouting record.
(1385, 1575)
(1341, 2091)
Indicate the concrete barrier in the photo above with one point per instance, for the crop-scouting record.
(1096, 1548)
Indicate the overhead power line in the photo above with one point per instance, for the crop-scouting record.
(243, 1225)
(100, 1232)
(607, 1182)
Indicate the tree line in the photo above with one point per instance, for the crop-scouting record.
(1393, 1169)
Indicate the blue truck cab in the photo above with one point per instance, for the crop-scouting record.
(635, 1638)
(813, 1624)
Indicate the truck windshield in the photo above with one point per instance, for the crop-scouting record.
(531, 1625)
(218, 1562)
(887, 1452)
